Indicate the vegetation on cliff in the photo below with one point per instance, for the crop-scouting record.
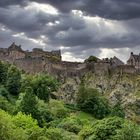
(28, 112)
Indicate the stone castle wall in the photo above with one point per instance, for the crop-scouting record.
(30, 65)
(50, 62)
(66, 69)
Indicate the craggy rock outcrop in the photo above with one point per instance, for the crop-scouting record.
(122, 87)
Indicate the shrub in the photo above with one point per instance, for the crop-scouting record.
(57, 109)
(90, 101)
(91, 59)
(54, 134)
(117, 110)
(3, 91)
(71, 124)
(28, 104)
(43, 85)
(5, 105)
(13, 80)
(112, 128)
(8, 131)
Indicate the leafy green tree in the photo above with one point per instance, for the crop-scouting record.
(91, 59)
(117, 110)
(3, 91)
(42, 84)
(111, 128)
(28, 104)
(57, 109)
(45, 116)
(54, 134)
(3, 72)
(129, 131)
(6, 105)
(13, 80)
(90, 101)
(71, 124)
(30, 125)
(8, 131)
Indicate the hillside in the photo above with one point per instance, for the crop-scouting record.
(99, 106)
(116, 87)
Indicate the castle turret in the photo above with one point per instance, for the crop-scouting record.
(14, 47)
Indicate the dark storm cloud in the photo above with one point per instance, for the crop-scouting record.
(28, 21)
(70, 29)
(111, 9)
(5, 3)
(63, 5)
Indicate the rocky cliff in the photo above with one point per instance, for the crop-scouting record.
(122, 87)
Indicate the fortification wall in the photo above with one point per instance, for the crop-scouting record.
(66, 69)
(30, 65)
(101, 68)
(128, 69)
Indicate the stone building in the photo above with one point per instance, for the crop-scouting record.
(134, 60)
(15, 52)
(38, 60)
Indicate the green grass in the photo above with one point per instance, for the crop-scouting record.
(83, 115)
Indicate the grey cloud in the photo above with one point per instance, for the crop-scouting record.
(5, 3)
(71, 31)
(111, 9)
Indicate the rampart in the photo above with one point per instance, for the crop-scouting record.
(37, 60)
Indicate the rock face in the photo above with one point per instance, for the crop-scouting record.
(122, 87)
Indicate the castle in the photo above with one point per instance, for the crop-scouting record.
(38, 60)
(134, 60)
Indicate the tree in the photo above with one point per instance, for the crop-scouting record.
(111, 128)
(13, 80)
(71, 124)
(3, 72)
(117, 110)
(28, 104)
(8, 131)
(43, 85)
(57, 109)
(91, 59)
(90, 101)
(3, 91)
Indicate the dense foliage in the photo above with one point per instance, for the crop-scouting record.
(27, 111)
(90, 101)
(91, 59)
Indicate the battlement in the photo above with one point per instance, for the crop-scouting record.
(39, 60)
(15, 52)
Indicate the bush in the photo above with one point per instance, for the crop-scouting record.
(91, 59)
(112, 128)
(117, 110)
(3, 91)
(5, 105)
(71, 124)
(13, 80)
(45, 116)
(57, 109)
(90, 101)
(43, 85)
(3, 72)
(54, 134)
(30, 125)
(8, 131)
(28, 104)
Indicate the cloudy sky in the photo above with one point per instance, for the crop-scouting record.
(79, 28)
